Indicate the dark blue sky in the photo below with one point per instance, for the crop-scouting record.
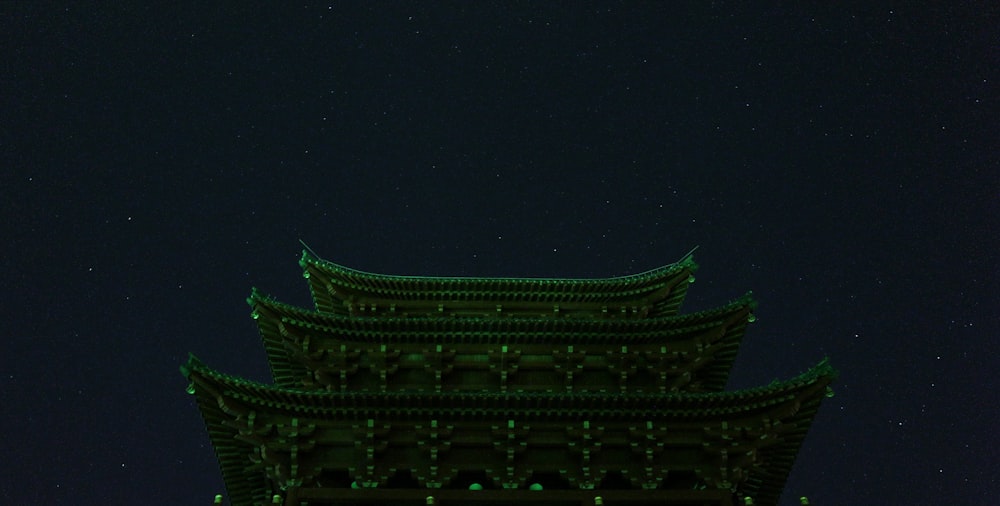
(157, 164)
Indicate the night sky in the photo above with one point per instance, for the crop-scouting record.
(155, 164)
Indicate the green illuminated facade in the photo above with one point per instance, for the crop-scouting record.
(408, 390)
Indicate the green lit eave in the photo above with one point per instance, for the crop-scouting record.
(761, 429)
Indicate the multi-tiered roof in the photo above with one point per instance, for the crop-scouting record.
(424, 390)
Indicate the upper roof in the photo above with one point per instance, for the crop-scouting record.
(339, 289)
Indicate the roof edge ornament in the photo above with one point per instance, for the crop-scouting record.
(313, 252)
(687, 256)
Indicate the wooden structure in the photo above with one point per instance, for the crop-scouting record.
(408, 390)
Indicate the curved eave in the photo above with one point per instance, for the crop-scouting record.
(713, 336)
(322, 405)
(335, 286)
(264, 307)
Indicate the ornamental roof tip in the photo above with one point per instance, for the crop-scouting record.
(746, 298)
(256, 295)
(822, 369)
(192, 363)
(196, 367)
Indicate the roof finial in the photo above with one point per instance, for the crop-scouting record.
(310, 250)
(683, 258)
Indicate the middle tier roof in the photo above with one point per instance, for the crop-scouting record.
(692, 352)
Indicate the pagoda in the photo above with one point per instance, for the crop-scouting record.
(412, 390)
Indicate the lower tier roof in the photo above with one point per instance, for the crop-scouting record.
(271, 439)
